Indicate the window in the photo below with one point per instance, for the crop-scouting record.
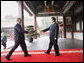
(82, 25)
(77, 26)
(79, 22)
(68, 24)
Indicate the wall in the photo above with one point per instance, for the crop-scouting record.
(68, 35)
(78, 35)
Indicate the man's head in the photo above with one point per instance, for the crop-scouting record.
(53, 20)
(19, 20)
(2, 34)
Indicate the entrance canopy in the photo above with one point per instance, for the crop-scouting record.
(67, 9)
(51, 8)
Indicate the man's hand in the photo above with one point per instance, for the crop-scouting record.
(41, 31)
(30, 32)
(55, 38)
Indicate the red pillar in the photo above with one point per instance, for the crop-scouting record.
(73, 25)
(21, 12)
(35, 25)
(64, 27)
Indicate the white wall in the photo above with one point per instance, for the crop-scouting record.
(68, 35)
(78, 36)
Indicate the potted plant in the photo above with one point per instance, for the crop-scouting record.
(30, 36)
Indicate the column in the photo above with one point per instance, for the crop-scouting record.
(35, 25)
(73, 25)
(21, 12)
(64, 27)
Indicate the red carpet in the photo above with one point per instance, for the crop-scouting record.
(66, 55)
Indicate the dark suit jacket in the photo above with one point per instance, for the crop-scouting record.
(4, 39)
(54, 30)
(19, 33)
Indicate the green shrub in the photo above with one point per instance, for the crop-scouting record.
(30, 28)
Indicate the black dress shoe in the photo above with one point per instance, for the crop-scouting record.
(7, 58)
(47, 52)
(57, 54)
(4, 48)
(27, 55)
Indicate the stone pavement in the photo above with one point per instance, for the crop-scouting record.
(42, 43)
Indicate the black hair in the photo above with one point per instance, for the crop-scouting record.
(53, 19)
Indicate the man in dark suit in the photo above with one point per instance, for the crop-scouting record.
(4, 40)
(54, 30)
(19, 39)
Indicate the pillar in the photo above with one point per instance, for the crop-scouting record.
(21, 12)
(35, 25)
(64, 27)
(73, 25)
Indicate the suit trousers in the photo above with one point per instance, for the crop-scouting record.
(56, 48)
(23, 46)
(4, 44)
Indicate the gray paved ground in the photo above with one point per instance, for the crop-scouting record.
(42, 43)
